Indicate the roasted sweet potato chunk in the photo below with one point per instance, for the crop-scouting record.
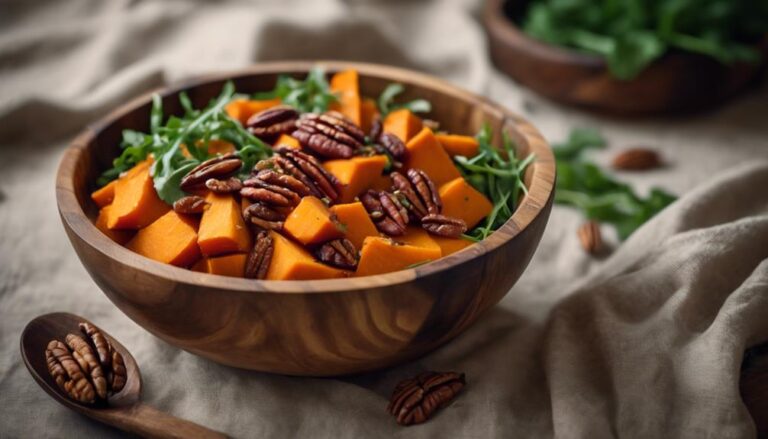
(346, 85)
(383, 255)
(403, 124)
(426, 153)
(311, 222)
(136, 203)
(355, 221)
(290, 261)
(461, 200)
(171, 239)
(222, 228)
(357, 174)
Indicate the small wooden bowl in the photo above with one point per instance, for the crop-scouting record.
(677, 82)
(324, 327)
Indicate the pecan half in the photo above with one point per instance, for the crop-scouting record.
(111, 360)
(264, 216)
(636, 159)
(376, 129)
(257, 189)
(391, 144)
(442, 225)
(267, 125)
(67, 374)
(426, 189)
(190, 205)
(86, 358)
(340, 253)
(329, 135)
(231, 184)
(257, 194)
(387, 212)
(590, 237)
(118, 375)
(284, 180)
(222, 166)
(257, 264)
(409, 198)
(415, 400)
(102, 345)
(309, 171)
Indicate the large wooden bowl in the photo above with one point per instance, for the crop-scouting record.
(325, 327)
(677, 82)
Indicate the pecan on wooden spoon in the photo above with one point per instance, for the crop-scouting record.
(76, 363)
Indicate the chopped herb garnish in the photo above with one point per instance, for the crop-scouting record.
(582, 184)
(311, 95)
(498, 175)
(194, 130)
(387, 103)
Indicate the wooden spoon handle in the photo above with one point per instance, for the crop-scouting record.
(150, 422)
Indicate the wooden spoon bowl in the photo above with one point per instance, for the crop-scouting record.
(677, 82)
(124, 410)
(324, 327)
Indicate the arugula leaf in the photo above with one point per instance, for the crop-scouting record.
(311, 95)
(386, 101)
(583, 185)
(498, 176)
(194, 129)
(631, 34)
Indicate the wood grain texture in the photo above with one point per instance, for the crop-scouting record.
(318, 328)
(125, 410)
(677, 82)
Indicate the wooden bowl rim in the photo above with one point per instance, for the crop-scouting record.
(510, 33)
(542, 178)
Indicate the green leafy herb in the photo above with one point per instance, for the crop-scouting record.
(387, 103)
(582, 184)
(194, 129)
(498, 175)
(630, 34)
(311, 95)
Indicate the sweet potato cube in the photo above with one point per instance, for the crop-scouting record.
(243, 109)
(311, 222)
(418, 237)
(104, 195)
(356, 174)
(119, 236)
(458, 145)
(355, 221)
(136, 203)
(461, 200)
(425, 153)
(172, 239)
(346, 85)
(290, 261)
(287, 140)
(451, 245)
(230, 265)
(402, 123)
(382, 255)
(222, 228)
(368, 112)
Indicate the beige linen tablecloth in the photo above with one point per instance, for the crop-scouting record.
(644, 343)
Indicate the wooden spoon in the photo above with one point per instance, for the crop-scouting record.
(124, 410)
